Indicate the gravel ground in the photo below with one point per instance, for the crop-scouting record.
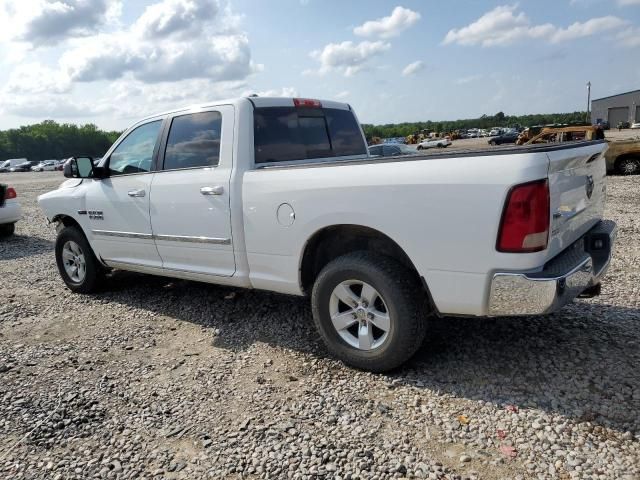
(160, 378)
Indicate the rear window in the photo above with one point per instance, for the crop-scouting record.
(287, 133)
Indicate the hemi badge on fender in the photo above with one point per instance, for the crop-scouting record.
(82, 212)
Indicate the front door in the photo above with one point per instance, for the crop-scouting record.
(118, 206)
(190, 211)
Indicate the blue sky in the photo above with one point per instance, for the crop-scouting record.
(111, 61)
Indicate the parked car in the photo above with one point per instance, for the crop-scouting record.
(13, 163)
(623, 156)
(391, 150)
(22, 167)
(635, 125)
(495, 132)
(296, 205)
(623, 125)
(510, 137)
(45, 165)
(434, 143)
(10, 211)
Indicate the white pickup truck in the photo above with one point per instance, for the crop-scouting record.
(281, 194)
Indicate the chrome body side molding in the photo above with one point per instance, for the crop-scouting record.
(169, 238)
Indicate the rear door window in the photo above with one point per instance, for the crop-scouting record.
(288, 133)
(194, 141)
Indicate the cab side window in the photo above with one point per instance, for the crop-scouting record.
(194, 141)
(135, 153)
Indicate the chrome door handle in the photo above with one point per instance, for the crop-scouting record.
(217, 190)
(136, 193)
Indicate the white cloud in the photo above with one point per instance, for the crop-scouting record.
(35, 78)
(342, 95)
(413, 68)
(42, 22)
(274, 92)
(386, 27)
(469, 79)
(588, 28)
(625, 3)
(177, 51)
(504, 25)
(348, 57)
(180, 17)
(630, 37)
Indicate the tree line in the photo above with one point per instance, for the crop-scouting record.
(485, 121)
(52, 140)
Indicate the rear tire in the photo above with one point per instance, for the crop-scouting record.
(77, 264)
(628, 166)
(7, 229)
(356, 334)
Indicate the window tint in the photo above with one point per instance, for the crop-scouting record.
(346, 137)
(277, 136)
(135, 152)
(315, 136)
(194, 141)
(375, 150)
(287, 133)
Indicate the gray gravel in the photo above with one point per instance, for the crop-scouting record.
(160, 378)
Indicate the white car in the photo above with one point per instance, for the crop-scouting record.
(10, 211)
(434, 143)
(280, 194)
(45, 165)
(635, 125)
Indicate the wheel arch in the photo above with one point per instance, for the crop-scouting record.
(67, 221)
(333, 241)
(633, 155)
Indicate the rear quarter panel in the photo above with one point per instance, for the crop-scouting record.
(444, 212)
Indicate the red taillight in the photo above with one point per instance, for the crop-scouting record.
(307, 102)
(10, 193)
(525, 220)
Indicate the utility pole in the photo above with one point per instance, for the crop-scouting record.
(588, 119)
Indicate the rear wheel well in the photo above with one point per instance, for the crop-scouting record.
(337, 240)
(626, 156)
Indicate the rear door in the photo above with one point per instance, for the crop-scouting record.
(577, 186)
(190, 210)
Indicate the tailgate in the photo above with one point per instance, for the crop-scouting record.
(577, 186)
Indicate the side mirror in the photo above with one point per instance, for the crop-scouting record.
(82, 167)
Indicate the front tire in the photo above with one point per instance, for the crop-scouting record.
(7, 229)
(370, 311)
(77, 264)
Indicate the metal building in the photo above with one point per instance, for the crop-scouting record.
(624, 107)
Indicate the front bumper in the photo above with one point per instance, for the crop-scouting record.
(560, 281)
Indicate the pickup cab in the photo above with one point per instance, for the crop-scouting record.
(280, 194)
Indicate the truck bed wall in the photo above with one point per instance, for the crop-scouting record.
(444, 212)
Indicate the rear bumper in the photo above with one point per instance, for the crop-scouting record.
(10, 212)
(560, 280)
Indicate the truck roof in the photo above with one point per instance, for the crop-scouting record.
(258, 102)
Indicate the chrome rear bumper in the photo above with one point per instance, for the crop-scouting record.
(560, 281)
